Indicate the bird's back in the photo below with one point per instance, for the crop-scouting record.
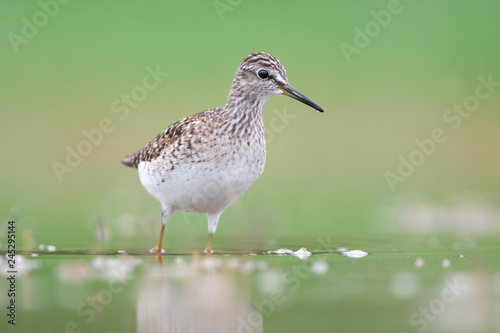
(177, 140)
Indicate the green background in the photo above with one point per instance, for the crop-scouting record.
(324, 173)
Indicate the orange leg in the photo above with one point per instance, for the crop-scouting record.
(166, 214)
(208, 250)
(157, 248)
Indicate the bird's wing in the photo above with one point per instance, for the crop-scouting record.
(166, 139)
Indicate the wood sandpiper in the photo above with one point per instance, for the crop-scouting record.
(203, 163)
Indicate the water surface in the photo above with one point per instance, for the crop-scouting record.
(381, 288)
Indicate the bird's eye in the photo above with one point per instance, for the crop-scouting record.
(263, 74)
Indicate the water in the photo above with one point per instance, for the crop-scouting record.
(387, 289)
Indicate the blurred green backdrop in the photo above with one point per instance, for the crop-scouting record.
(65, 64)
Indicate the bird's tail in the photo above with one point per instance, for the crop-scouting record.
(130, 160)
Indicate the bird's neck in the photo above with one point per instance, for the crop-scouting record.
(243, 99)
(244, 116)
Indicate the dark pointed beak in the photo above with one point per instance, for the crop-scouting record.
(288, 90)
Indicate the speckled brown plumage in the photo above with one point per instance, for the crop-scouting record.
(204, 162)
(175, 137)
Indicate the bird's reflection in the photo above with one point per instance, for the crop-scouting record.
(198, 294)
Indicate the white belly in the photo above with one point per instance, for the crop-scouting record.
(203, 187)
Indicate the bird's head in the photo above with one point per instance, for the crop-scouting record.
(262, 76)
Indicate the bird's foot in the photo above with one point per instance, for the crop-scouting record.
(157, 249)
